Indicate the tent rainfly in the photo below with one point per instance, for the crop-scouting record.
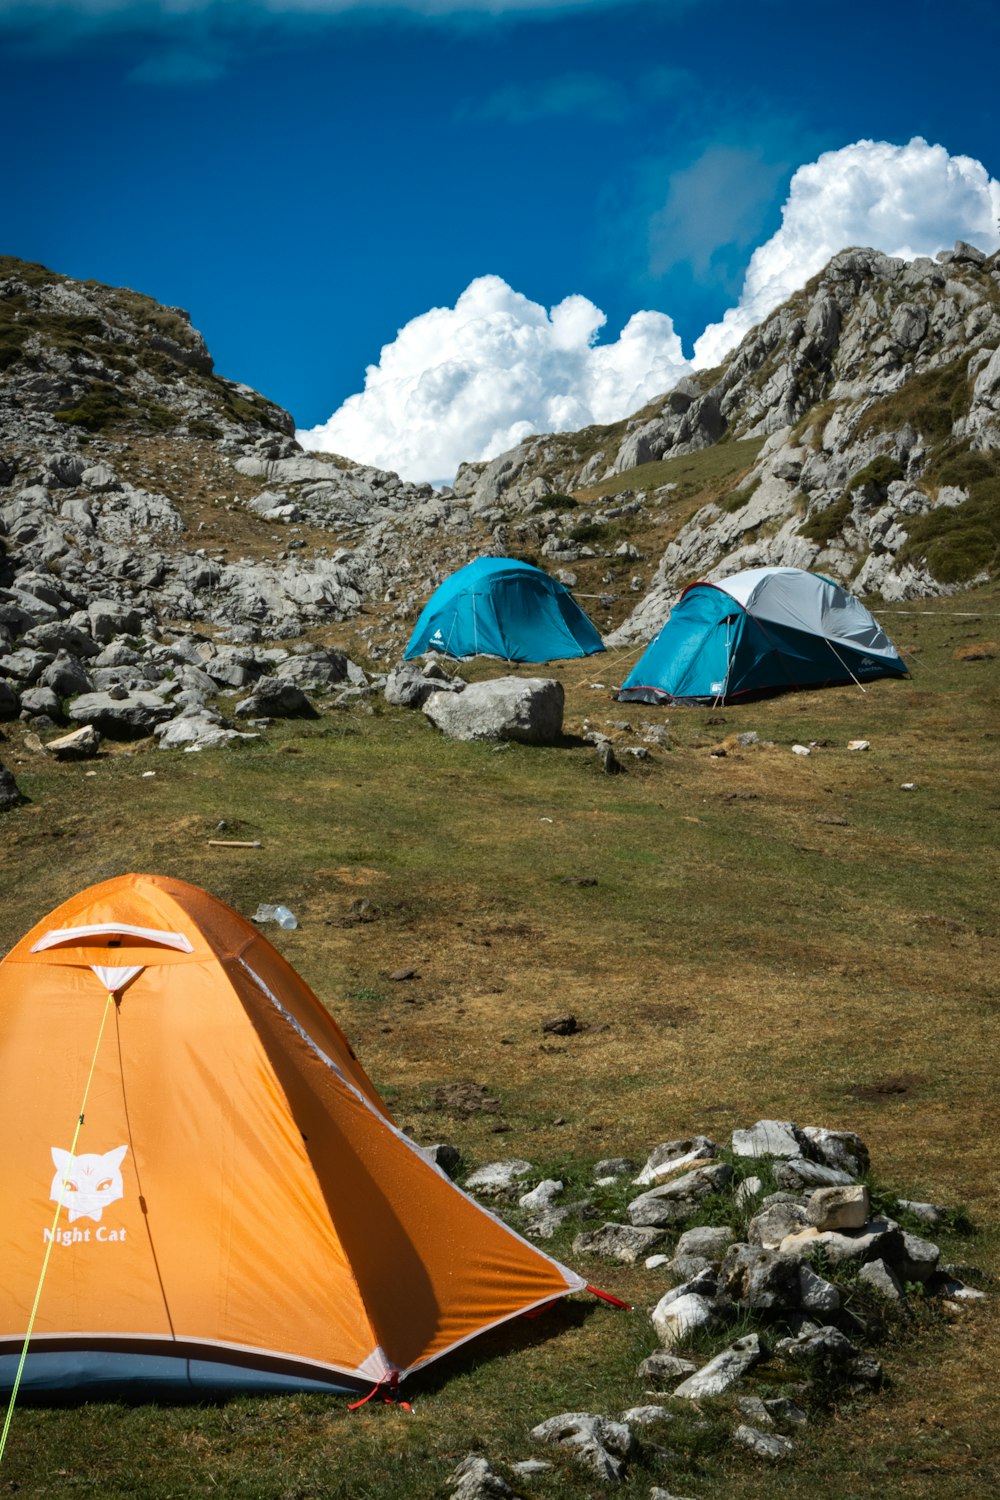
(201, 1183)
(766, 630)
(497, 606)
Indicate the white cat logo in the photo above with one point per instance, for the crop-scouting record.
(87, 1184)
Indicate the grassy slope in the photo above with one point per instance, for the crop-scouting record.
(741, 956)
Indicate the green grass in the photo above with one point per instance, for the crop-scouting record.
(768, 936)
(707, 472)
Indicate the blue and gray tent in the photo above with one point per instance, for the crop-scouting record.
(497, 606)
(766, 630)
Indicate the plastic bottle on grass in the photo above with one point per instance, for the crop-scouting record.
(285, 918)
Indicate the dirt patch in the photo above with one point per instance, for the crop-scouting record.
(892, 1086)
(464, 1099)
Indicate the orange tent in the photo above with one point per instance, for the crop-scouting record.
(238, 1210)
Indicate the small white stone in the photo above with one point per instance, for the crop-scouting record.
(653, 1262)
(801, 750)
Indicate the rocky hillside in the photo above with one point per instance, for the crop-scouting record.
(131, 471)
(854, 432)
(874, 398)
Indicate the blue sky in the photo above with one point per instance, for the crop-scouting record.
(308, 176)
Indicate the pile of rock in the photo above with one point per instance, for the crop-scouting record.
(108, 669)
(794, 1248)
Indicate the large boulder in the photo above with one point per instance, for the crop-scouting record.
(123, 717)
(528, 709)
(275, 698)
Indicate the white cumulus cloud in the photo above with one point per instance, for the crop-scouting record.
(904, 200)
(470, 381)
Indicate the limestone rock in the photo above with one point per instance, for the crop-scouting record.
(80, 744)
(275, 698)
(661, 1368)
(675, 1318)
(838, 1208)
(127, 716)
(778, 1138)
(475, 1479)
(664, 1205)
(798, 1173)
(596, 1442)
(724, 1370)
(758, 1278)
(541, 1196)
(880, 1276)
(496, 1177)
(775, 1222)
(528, 709)
(673, 1156)
(628, 1243)
(698, 1249)
(765, 1444)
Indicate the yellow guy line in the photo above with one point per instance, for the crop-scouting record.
(52, 1235)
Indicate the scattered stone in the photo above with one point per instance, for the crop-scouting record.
(765, 1444)
(475, 1479)
(566, 1025)
(838, 1148)
(781, 1409)
(444, 1156)
(119, 714)
(654, 1262)
(625, 1242)
(838, 1208)
(758, 1278)
(858, 745)
(770, 1138)
(749, 1188)
(10, 793)
(675, 1318)
(612, 1167)
(530, 1468)
(754, 1408)
(724, 1370)
(919, 1259)
(543, 1195)
(826, 1351)
(775, 1222)
(672, 1156)
(662, 1368)
(882, 1279)
(817, 1295)
(801, 750)
(599, 1444)
(645, 1416)
(666, 1204)
(80, 744)
(928, 1213)
(275, 698)
(496, 1178)
(799, 1173)
(698, 1249)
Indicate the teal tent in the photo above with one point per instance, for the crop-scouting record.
(497, 606)
(766, 630)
